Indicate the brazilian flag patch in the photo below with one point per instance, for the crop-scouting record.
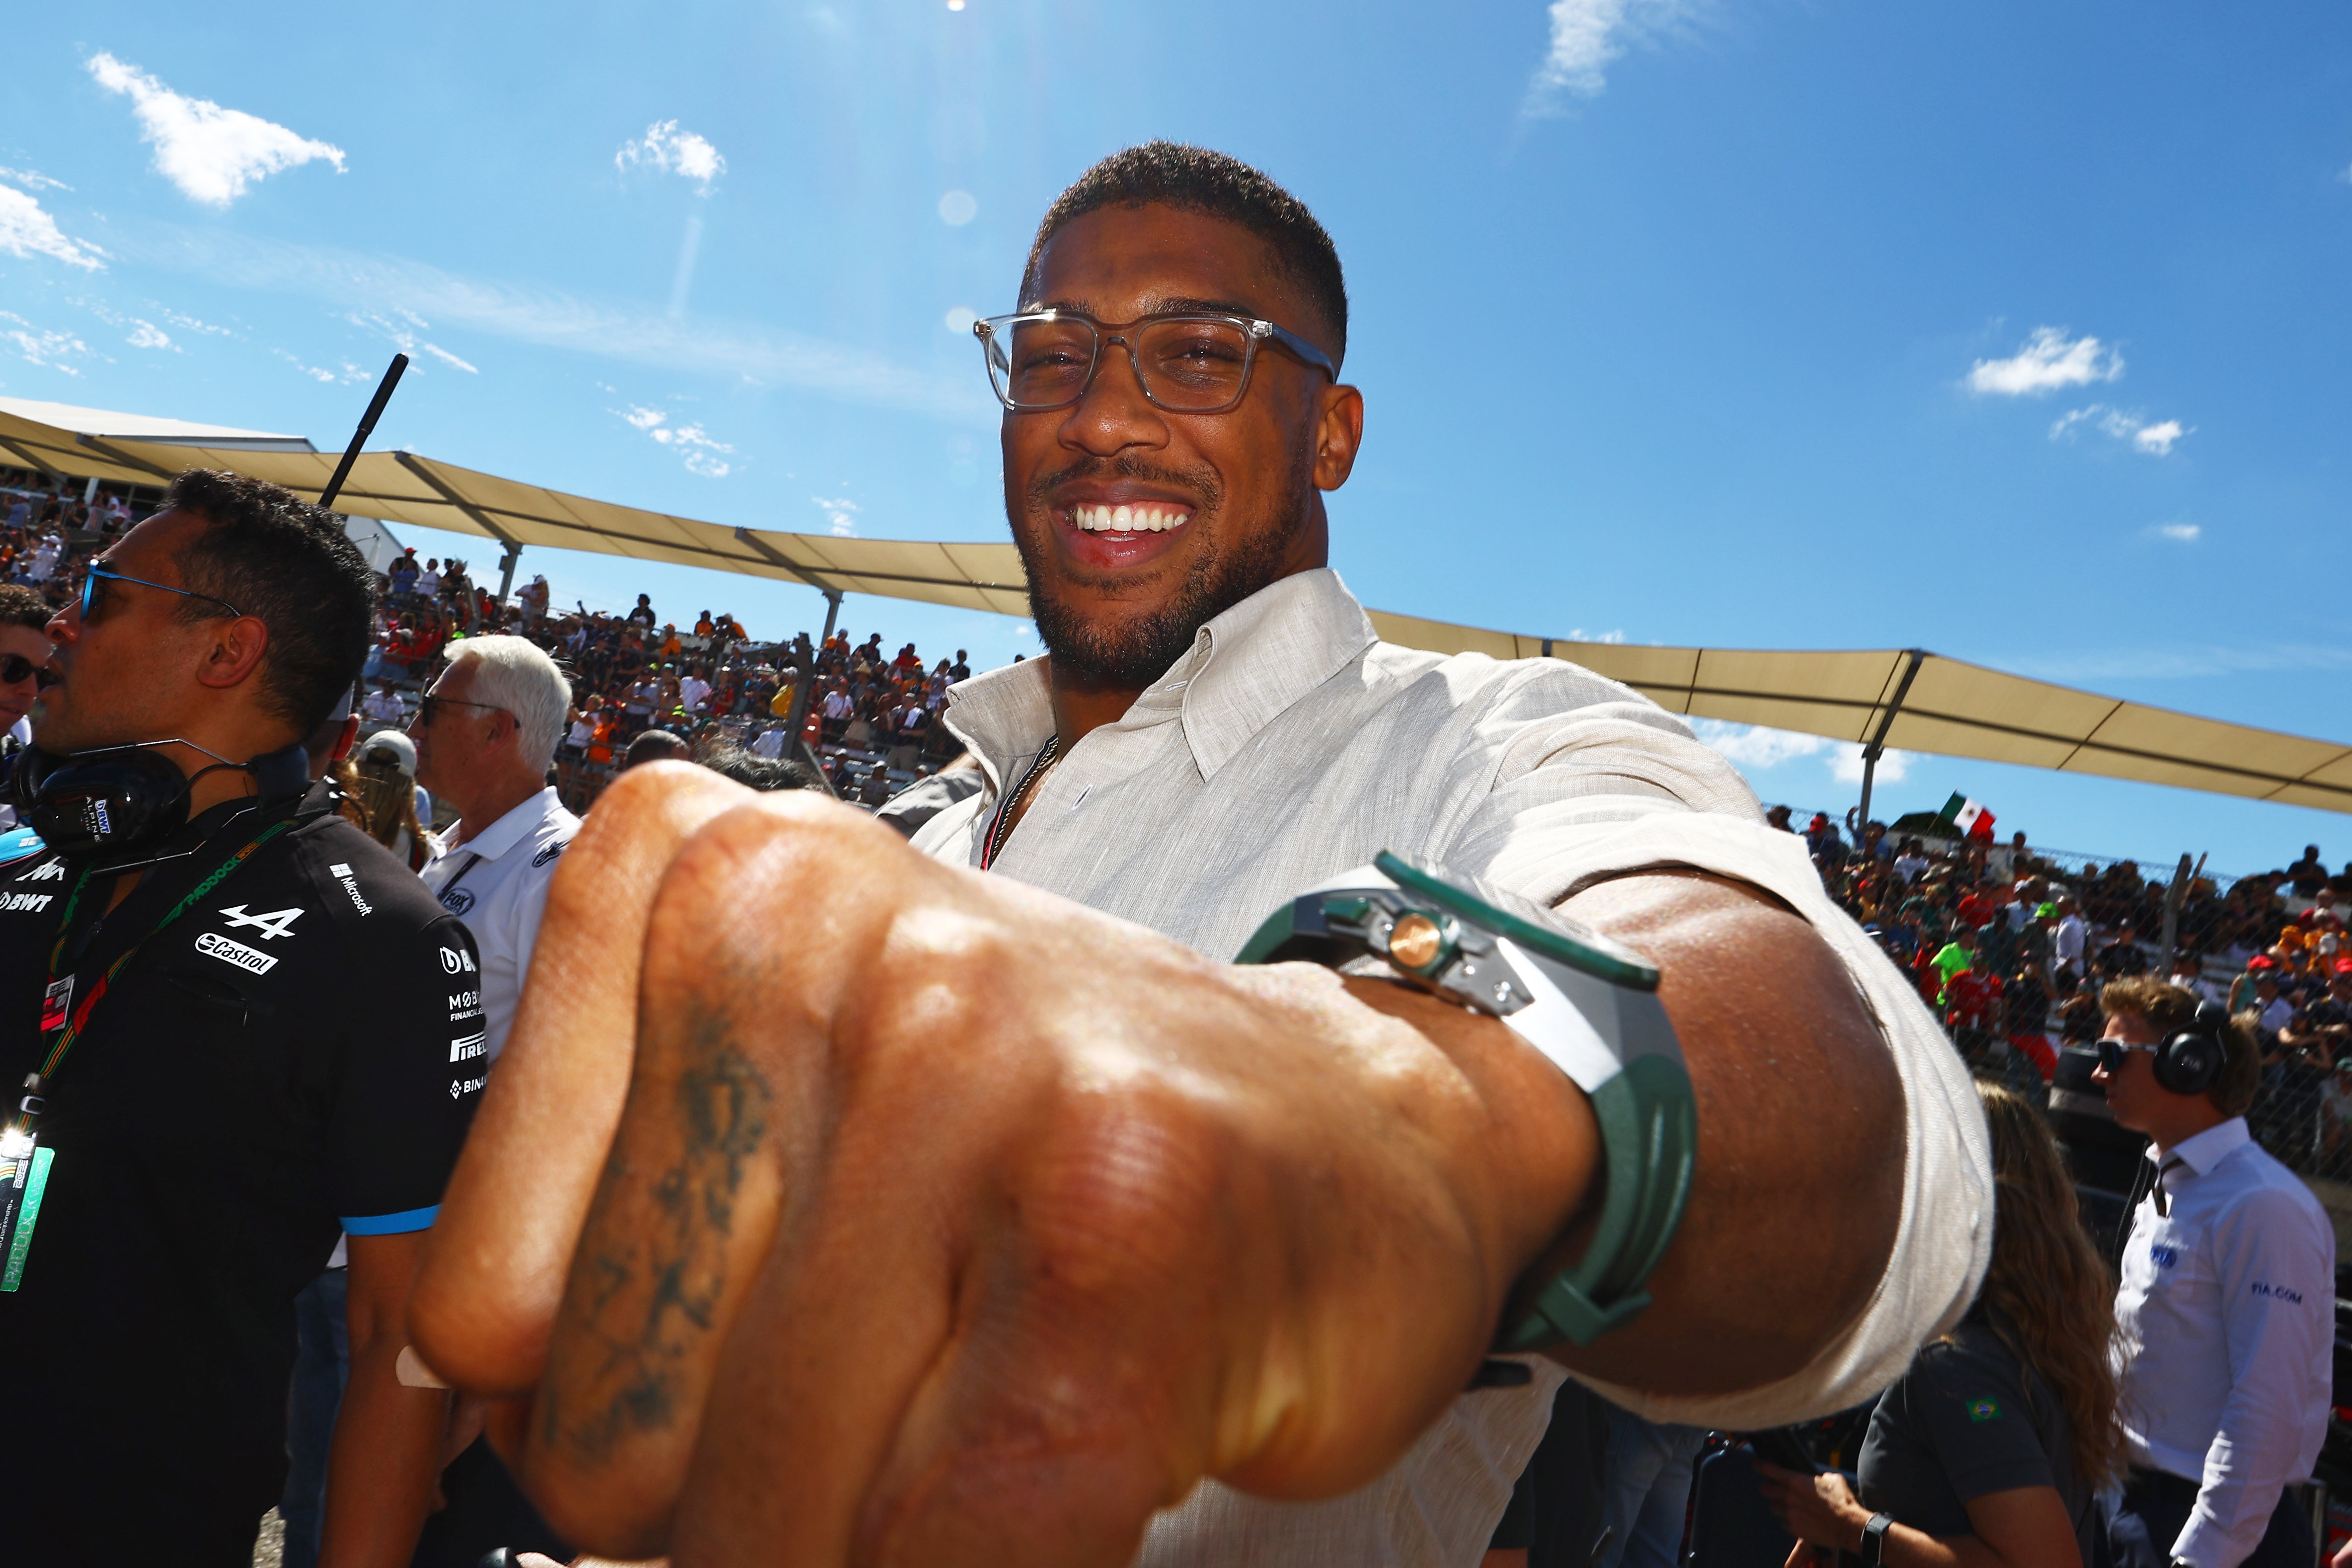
(1984, 1410)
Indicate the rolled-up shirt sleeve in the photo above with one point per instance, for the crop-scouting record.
(2275, 1266)
(1598, 792)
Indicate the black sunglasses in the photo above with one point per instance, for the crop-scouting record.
(16, 667)
(2113, 1052)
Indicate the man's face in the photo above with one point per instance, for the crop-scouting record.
(2133, 1093)
(1236, 495)
(16, 696)
(130, 672)
(461, 743)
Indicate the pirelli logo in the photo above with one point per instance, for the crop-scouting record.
(469, 1048)
(253, 961)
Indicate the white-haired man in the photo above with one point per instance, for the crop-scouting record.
(485, 740)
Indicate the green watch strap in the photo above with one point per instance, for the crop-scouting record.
(1587, 1003)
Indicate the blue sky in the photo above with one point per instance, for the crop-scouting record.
(2007, 329)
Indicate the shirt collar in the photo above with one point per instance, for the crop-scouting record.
(2209, 1148)
(513, 827)
(1245, 667)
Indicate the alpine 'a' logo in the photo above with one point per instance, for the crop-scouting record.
(276, 923)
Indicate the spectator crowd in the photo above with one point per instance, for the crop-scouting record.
(2012, 947)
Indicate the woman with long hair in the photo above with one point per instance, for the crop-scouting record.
(1990, 1451)
(383, 786)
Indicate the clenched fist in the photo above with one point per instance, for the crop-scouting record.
(831, 1205)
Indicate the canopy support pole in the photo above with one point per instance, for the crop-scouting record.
(506, 575)
(804, 690)
(1876, 746)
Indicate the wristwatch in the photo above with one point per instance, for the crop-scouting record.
(1589, 1005)
(1873, 1538)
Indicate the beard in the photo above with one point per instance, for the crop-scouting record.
(1132, 651)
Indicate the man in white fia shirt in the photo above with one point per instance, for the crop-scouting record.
(2226, 1316)
(485, 738)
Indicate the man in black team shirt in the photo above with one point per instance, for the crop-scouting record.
(272, 1033)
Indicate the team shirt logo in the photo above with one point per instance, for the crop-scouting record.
(456, 962)
(467, 1048)
(544, 855)
(253, 961)
(49, 871)
(276, 923)
(342, 874)
(34, 902)
(457, 901)
(461, 1087)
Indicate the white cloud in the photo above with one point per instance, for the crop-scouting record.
(549, 319)
(2049, 360)
(1756, 748)
(2184, 532)
(1586, 36)
(190, 325)
(693, 444)
(33, 181)
(1846, 766)
(1580, 635)
(212, 154)
(406, 341)
(837, 513)
(2154, 439)
(148, 335)
(673, 152)
(350, 372)
(26, 231)
(38, 345)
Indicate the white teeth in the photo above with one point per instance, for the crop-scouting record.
(1128, 518)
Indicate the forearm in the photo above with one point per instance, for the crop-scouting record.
(386, 1454)
(1801, 1121)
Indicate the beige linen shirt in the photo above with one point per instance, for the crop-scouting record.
(1290, 744)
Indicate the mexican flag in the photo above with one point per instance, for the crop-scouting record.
(1972, 820)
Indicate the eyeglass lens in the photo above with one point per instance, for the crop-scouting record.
(1186, 363)
(16, 667)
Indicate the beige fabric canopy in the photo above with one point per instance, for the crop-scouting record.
(1895, 698)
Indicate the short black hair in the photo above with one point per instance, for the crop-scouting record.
(21, 606)
(271, 554)
(1195, 179)
(762, 773)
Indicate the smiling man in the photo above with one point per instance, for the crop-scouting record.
(838, 1203)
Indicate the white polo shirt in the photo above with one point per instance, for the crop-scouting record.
(497, 883)
(2225, 1336)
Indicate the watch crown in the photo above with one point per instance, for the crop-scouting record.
(1415, 942)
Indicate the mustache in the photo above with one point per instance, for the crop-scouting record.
(1202, 482)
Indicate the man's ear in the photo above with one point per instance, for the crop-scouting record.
(235, 653)
(1339, 434)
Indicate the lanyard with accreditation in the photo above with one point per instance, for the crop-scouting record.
(24, 1161)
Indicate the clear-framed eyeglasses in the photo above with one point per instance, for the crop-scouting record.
(1186, 362)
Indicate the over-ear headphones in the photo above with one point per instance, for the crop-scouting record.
(114, 799)
(2189, 1059)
